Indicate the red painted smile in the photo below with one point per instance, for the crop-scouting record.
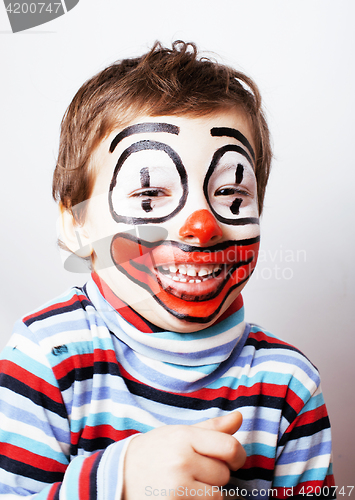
(192, 283)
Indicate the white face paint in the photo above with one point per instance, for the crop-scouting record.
(173, 219)
(147, 185)
(231, 181)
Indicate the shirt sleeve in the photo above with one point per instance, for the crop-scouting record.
(303, 466)
(35, 459)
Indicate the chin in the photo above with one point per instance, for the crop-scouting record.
(167, 321)
(177, 321)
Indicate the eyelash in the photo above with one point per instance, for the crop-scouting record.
(150, 193)
(231, 191)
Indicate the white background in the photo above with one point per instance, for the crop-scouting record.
(301, 53)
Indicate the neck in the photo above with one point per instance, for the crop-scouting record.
(168, 360)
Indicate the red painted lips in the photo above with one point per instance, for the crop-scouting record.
(191, 283)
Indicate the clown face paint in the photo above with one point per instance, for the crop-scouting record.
(180, 221)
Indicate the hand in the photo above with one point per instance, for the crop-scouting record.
(183, 459)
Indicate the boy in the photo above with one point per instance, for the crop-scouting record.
(147, 381)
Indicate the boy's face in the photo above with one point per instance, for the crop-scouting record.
(173, 219)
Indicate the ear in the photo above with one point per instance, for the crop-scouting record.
(74, 235)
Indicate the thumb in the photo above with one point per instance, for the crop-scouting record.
(229, 424)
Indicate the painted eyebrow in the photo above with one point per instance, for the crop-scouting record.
(232, 132)
(140, 128)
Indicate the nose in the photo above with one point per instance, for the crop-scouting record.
(202, 226)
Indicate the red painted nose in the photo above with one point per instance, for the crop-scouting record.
(201, 225)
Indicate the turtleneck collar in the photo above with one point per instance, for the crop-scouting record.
(169, 360)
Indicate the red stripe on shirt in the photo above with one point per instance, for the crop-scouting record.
(73, 362)
(57, 305)
(53, 492)
(85, 477)
(27, 457)
(31, 380)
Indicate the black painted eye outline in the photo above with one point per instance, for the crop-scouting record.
(216, 157)
(149, 145)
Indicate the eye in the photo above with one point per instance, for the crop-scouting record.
(225, 192)
(150, 193)
(150, 197)
(230, 191)
(231, 197)
(230, 187)
(149, 184)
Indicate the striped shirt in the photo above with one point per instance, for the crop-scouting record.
(85, 373)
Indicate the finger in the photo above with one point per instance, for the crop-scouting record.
(219, 445)
(228, 424)
(239, 457)
(210, 471)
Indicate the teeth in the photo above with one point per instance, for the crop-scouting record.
(180, 272)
